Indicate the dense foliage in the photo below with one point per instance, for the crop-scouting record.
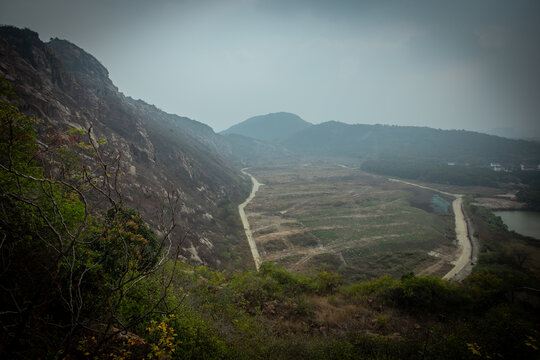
(380, 142)
(65, 265)
(530, 194)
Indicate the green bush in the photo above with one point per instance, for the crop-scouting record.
(126, 243)
(291, 283)
(255, 289)
(196, 337)
(425, 294)
(365, 289)
(326, 282)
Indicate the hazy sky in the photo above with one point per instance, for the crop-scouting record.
(471, 64)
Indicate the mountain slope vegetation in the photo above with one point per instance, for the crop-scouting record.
(270, 128)
(67, 88)
(406, 142)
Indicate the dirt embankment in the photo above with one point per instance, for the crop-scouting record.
(498, 203)
(463, 240)
(245, 222)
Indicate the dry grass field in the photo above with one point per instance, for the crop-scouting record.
(317, 216)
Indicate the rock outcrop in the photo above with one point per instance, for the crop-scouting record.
(66, 87)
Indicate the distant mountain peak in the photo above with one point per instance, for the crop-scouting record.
(273, 127)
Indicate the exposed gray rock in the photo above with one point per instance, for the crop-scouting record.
(66, 87)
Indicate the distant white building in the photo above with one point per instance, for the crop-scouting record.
(496, 166)
(528, 168)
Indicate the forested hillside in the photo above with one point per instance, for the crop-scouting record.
(271, 127)
(407, 143)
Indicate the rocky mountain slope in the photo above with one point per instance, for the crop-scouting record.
(66, 87)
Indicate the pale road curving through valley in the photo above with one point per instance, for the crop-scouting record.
(462, 265)
(245, 222)
(462, 237)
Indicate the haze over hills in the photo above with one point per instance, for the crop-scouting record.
(247, 151)
(360, 142)
(66, 87)
(270, 127)
(407, 142)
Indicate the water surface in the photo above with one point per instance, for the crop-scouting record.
(523, 222)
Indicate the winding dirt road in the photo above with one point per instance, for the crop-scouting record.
(245, 222)
(462, 237)
(462, 266)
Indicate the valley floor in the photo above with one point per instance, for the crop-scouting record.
(357, 224)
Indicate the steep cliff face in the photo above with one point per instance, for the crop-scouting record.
(66, 87)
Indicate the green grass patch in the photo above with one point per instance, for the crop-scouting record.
(274, 245)
(303, 240)
(326, 236)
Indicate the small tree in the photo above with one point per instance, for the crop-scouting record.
(66, 266)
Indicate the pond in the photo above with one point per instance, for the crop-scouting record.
(523, 222)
